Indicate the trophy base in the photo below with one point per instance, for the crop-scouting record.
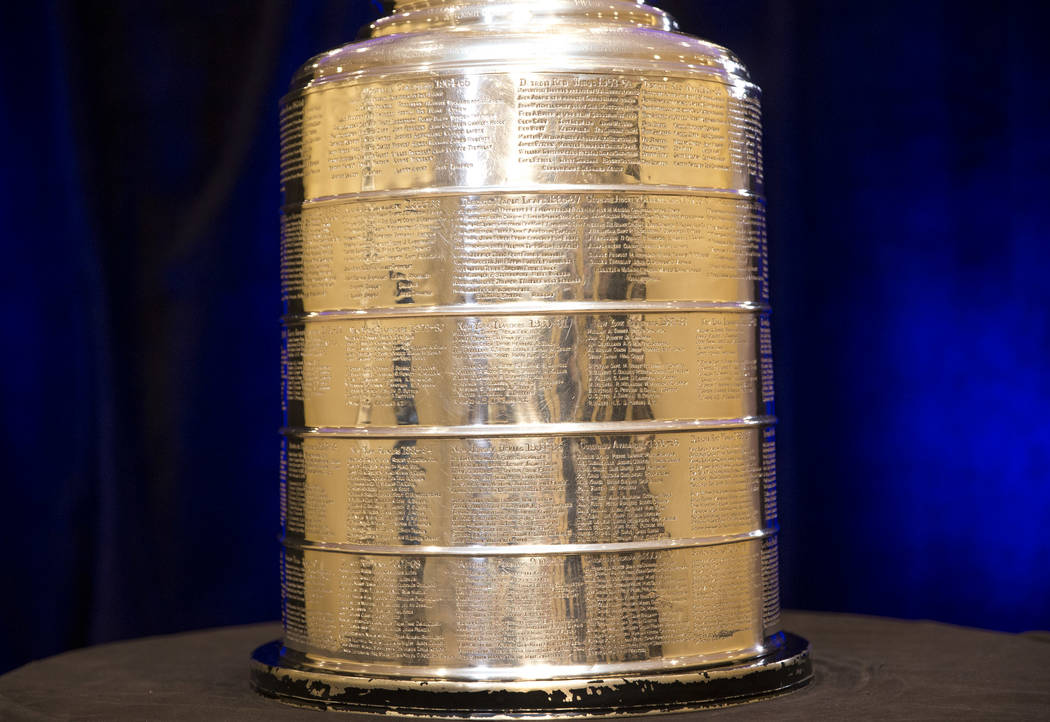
(782, 671)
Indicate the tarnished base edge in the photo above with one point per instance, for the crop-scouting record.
(782, 671)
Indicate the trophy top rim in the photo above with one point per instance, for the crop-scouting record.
(571, 42)
(414, 15)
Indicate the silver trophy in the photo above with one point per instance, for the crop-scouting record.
(528, 462)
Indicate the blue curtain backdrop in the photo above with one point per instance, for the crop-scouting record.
(907, 163)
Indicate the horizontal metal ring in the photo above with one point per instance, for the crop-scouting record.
(530, 308)
(489, 66)
(530, 189)
(572, 428)
(523, 678)
(527, 550)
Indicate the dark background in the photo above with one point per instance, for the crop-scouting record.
(907, 161)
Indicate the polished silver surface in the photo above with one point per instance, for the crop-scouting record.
(666, 489)
(527, 365)
(447, 370)
(538, 617)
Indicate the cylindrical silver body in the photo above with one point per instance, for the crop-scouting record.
(527, 363)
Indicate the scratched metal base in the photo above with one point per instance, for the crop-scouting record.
(787, 669)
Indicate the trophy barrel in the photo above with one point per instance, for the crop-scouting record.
(528, 460)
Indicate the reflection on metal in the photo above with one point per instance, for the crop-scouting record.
(527, 370)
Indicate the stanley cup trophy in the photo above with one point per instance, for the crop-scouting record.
(528, 459)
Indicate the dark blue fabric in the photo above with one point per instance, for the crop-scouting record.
(907, 157)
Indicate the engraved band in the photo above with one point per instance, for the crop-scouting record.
(527, 550)
(647, 189)
(579, 428)
(540, 308)
(525, 676)
(305, 86)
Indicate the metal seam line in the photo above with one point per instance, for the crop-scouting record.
(641, 189)
(527, 550)
(530, 308)
(571, 428)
